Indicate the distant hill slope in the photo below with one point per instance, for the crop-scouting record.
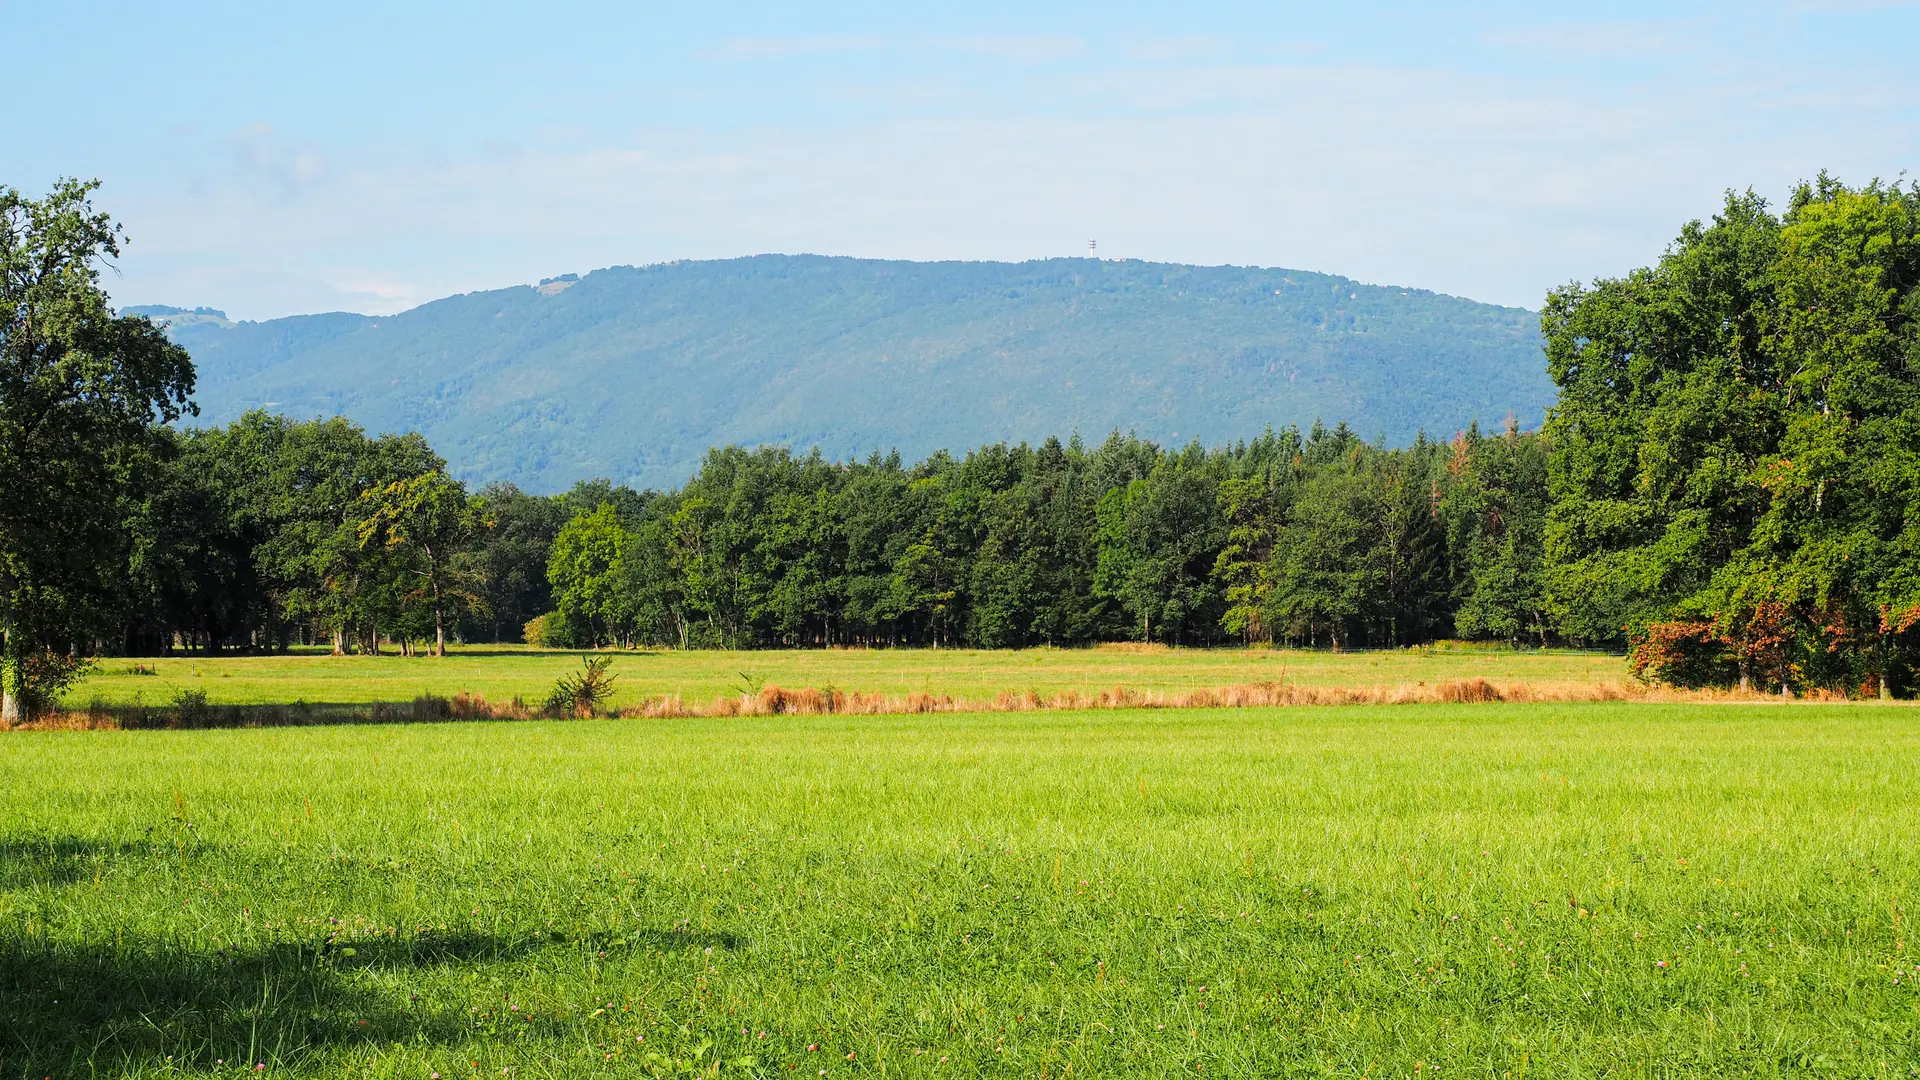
(633, 372)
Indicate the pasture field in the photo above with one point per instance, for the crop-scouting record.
(500, 673)
(1497, 891)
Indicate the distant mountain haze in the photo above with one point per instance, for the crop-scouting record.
(632, 373)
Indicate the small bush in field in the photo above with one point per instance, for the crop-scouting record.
(45, 675)
(582, 693)
(190, 710)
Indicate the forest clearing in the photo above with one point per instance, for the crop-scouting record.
(1505, 890)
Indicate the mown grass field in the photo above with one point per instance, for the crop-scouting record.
(500, 673)
(1497, 891)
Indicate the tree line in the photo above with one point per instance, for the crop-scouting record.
(1315, 539)
(1728, 487)
(270, 532)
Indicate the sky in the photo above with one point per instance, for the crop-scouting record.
(273, 159)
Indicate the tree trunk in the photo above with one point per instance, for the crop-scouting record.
(439, 609)
(340, 640)
(12, 710)
(1886, 690)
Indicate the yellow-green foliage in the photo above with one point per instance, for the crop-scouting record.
(1485, 891)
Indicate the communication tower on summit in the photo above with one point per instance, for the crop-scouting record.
(1091, 244)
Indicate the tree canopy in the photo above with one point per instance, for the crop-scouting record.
(1316, 538)
(81, 390)
(1735, 474)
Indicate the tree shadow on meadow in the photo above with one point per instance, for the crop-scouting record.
(101, 1009)
(127, 1005)
(63, 860)
(89, 1008)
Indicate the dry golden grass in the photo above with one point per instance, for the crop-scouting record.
(812, 701)
(502, 673)
(809, 701)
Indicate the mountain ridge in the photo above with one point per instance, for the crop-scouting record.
(633, 372)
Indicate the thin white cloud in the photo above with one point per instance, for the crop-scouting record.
(754, 48)
(1033, 49)
(379, 296)
(262, 156)
(1609, 39)
(1185, 48)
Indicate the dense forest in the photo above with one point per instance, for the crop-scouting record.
(268, 532)
(1321, 539)
(1729, 487)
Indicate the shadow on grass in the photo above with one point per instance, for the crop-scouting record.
(85, 1009)
(192, 711)
(26, 862)
(102, 1009)
(133, 1004)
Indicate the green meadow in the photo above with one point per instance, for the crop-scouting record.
(1498, 891)
(500, 673)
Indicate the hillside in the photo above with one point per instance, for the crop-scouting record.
(633, 372)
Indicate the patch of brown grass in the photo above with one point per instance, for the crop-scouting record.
(66, 721)
(808, 701)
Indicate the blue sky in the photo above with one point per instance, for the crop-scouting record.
(278, 158)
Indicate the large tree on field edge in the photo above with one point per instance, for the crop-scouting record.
(1735, 471)
(80, 392)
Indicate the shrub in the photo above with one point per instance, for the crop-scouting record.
(583, 693)
(555, 630)
(45, 675)
(1685, 654)
(190, 710)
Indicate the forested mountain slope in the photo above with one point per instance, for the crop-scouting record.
(633, 373)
